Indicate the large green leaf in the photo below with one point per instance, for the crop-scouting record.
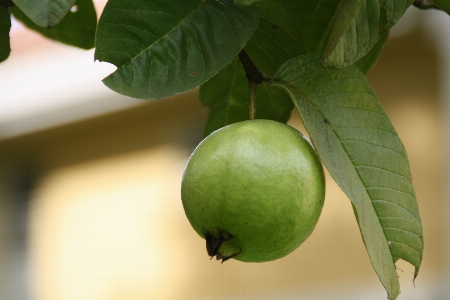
(356, 31)
(76, 29)
(227, 96)
(45, 13)
(165, 47)
(363, 153)
(275, 41)
(5, 26)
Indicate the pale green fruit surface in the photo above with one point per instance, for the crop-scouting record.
(254, 190)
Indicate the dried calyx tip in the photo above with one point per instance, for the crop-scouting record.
(213, 245)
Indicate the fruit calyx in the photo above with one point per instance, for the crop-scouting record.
(213, 245)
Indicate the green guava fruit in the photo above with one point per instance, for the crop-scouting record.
(254, 190)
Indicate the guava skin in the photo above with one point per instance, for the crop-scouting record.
(254, 190)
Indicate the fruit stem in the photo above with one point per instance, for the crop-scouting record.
(252, 88)
(254, 77)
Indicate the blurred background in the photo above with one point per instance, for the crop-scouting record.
(90, 202)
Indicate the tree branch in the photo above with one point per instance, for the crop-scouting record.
(251, 71)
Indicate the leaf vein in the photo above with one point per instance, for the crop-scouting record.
(378, 168)
(388, 188)
(396, 204)
(399, 229)
(378, 145)
(394, 242)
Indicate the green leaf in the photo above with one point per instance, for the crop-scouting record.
(277, 38)
(346, 14)
(5, 26)
(355, 32)
(314, 20)
(227, 96)
(165, 47)
(366, 63)
(76, 29)
(356, 141)
(45, 13)
(444, 5)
